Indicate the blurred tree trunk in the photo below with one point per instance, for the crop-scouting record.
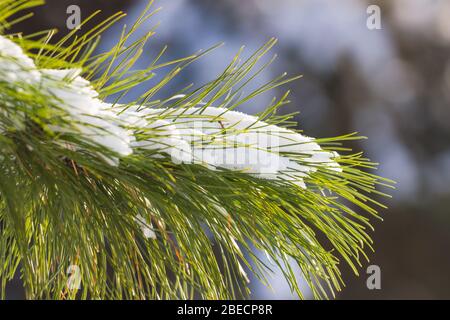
(54, 14)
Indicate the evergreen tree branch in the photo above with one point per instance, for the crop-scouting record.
(137, 223)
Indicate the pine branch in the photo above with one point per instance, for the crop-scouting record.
(141, 197)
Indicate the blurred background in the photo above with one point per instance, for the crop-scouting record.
(390, 84)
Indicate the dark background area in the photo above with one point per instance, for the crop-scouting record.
(391, 85)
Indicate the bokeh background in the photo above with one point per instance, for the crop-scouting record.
(390, 84)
